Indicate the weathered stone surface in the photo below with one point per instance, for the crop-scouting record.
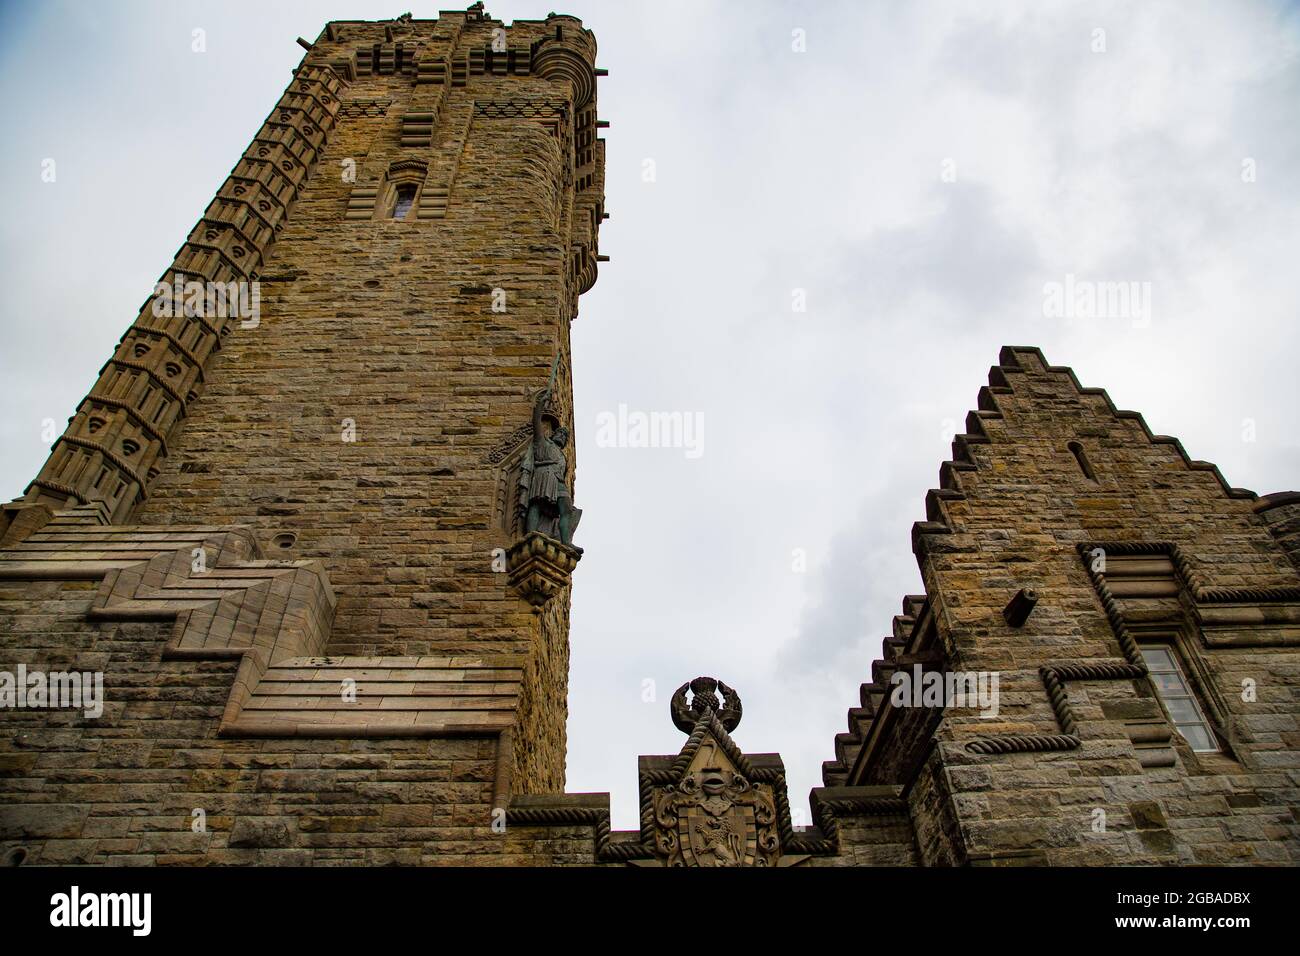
(1081, 765)
(264, 833)
(363, 425)
(41, 820)
(348, 676)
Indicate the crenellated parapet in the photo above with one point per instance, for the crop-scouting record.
(467, 69)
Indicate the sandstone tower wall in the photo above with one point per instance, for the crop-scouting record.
(247, 510)
(291, 544)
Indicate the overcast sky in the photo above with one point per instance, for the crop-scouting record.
(916, 174)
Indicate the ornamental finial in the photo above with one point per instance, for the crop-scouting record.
(704, 701)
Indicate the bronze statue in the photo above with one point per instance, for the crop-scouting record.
(544, 494)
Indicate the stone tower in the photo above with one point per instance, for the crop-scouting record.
(280, 594)
(285, 521)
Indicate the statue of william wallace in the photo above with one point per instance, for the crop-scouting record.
(544, 496)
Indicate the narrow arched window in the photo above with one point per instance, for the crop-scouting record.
(1081, 457)
(404, 200)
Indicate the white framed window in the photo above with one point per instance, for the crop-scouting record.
(1178, 698)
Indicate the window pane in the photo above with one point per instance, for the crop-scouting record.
(1169, 684)
(1158, 658)
(1198, 736)
(1176, 694)
(405, 199)
(1182, 710)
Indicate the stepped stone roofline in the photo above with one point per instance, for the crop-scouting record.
(1009, 362)
(1013, 360)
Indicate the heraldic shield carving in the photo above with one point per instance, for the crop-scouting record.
(716, 816)
(707, 808)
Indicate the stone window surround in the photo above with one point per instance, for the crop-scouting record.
(1162, 659)
(1186, 652)
(399, 175)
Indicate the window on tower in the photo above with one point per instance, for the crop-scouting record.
(403, 200)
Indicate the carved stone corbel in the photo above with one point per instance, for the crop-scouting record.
(539, 567)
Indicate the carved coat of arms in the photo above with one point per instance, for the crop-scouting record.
(713, 813)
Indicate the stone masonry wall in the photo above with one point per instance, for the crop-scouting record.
(362, 422)
(388, 327)
(1015, 515)
(122, 788)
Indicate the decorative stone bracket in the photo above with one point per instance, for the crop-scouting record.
(539, 567)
